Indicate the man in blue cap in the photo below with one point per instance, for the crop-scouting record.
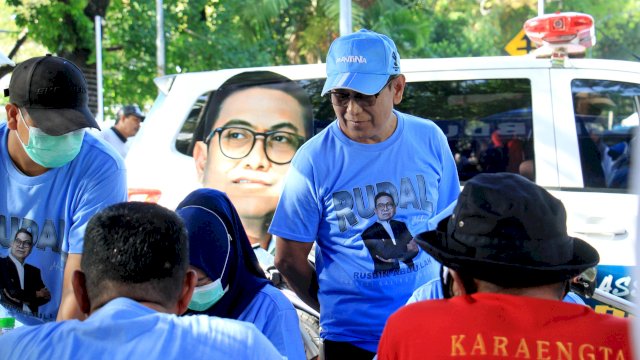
(329, 196)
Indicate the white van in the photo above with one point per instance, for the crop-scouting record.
(568, 126)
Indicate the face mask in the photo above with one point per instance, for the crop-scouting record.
(206, 296)
(51, 151)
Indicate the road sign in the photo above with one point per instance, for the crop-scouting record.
(519, 45)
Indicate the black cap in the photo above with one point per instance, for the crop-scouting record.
(508, 231)
(132, 110)
(54, 92)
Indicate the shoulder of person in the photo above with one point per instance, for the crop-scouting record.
(94, 148)
(228, 330)
(222, 336)
(431, 290)
(318, 140)
(413, 120)
(272, 296)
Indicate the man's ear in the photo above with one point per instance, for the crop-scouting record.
(457, 286)
(12, 116)
(398, 88)
(79, 283)
(200, 153)
(188, 285)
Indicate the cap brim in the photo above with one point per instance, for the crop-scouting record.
(138, 116)
(506, 274)
(368, 84)
(58, 122)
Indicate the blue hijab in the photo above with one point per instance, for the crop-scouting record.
(208, 249)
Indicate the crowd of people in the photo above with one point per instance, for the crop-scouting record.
(375, 195)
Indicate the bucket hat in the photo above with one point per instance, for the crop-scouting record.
(509, 231)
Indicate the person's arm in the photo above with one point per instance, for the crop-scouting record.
(41, 294)
(411, 250)
(385, 259)
(69, 308)
(291, 261)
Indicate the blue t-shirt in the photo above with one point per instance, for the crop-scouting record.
(56, 207)
(328, 197)
(125, 329)
(433, 290)
(272, 313)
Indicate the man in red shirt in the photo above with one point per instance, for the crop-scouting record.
(508, 262)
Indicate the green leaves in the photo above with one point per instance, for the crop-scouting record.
(214, 34)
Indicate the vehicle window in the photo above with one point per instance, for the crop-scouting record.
(606, 115)
(185, 136)
(488, 122)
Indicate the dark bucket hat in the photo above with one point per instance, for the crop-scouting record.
(54, 91)
(508, 231)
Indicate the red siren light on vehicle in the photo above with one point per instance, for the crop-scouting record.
(561, 28)
(566, 33)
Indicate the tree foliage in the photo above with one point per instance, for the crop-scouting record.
(214, 34)
(63, 27)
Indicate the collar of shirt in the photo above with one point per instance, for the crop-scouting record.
(119, 135)
(386, 224)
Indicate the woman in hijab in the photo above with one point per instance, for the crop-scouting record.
(231, 283)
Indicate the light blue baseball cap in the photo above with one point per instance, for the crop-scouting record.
(362, 62)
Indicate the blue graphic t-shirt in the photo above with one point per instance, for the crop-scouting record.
(272, 313)
(125, 329)
(363, 203)
(55, 207)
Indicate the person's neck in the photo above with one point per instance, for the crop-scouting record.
(120, 132)
(157, 307)
(257, 230)
(150, 304)
(376, 138)
(20, 158)
(547, 292)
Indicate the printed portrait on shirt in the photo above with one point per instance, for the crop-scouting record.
(389, 241)
(21, 285)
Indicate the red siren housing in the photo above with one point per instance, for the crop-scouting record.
(570, 28)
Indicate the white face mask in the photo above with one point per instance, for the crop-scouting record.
(208, 295)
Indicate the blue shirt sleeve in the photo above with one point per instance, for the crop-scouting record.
(573, 298)
(429, 291)
(272, 313)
